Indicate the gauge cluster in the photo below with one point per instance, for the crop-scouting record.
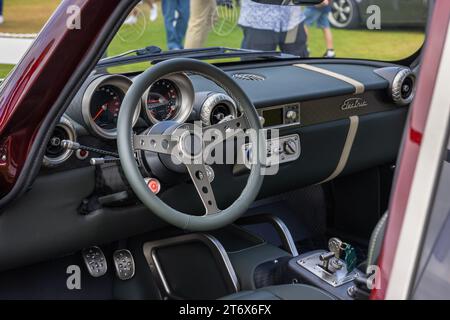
(169, 98)
(94, 112)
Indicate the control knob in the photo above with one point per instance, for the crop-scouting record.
(291, 115)
(290, 147)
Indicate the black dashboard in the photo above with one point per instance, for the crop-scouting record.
(347, 116)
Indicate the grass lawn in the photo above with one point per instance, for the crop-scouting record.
(27, 16)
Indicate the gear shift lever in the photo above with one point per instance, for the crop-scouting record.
(325, 258)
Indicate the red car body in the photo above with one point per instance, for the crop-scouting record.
(34, 88)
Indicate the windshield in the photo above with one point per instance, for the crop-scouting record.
(387, 30)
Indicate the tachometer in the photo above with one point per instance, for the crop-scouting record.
(163, 100)
(170, 98)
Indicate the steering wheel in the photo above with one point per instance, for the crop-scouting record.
(167, 141)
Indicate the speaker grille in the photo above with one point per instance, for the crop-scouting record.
(248, 77)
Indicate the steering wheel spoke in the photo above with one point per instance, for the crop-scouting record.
(222, 131)
(159, 143)
(201, 182)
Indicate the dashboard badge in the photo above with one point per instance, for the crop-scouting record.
(354, 103)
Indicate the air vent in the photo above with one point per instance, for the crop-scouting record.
(217, 107)
(404, 87)
(248, 77)
(55, 154)
(402, 84)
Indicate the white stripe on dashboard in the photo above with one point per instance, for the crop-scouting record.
(354, 124)
(359, 87)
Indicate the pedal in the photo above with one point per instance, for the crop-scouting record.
(95, 261)
(124, 263)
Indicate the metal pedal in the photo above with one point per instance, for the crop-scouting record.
(95, 261)
(124, 263)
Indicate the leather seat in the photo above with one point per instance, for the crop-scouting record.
(283, 292)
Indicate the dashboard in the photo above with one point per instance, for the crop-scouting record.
(335, 118)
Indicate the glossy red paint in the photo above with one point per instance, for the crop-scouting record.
(37, 81)
(416, 126)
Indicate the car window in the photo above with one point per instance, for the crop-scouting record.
(433, 276)
(367, 29)
(362, 29)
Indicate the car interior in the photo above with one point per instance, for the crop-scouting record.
(134, 221)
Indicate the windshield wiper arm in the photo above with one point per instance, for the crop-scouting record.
(155, 54)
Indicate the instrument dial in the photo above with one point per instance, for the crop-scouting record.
(105, 106)
(163, 100)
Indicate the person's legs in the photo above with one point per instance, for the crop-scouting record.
(294, 41)
(168, 10)
(324, 24)
(200, 22)
(328, 38)
(1, 12)
(182, 20)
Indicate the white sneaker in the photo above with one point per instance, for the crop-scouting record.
(131, 20)
(1, 19)
(330, 54)
(153, 12)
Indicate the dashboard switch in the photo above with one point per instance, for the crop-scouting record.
(290, 147)
(154, 185)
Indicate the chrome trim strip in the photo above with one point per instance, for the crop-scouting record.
(279, 226)
(210, 241)
(226, 260)
(359, 87)
(352, 130)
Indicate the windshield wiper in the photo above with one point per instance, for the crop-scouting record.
(155, 54)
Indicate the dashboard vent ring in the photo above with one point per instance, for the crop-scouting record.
(248, 77)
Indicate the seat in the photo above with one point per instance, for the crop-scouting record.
(305, 292)
(282, 292)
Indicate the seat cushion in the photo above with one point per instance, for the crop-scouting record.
(283, 292)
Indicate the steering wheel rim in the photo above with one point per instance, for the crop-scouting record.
(126, 146)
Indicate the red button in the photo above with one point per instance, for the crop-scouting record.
(154, 185)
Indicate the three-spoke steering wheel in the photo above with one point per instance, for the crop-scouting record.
(164, 143)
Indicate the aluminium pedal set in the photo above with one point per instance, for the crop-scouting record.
(97, 265)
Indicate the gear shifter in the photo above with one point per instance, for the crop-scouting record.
(336, 267)
(325, 258)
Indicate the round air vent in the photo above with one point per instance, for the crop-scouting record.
(403, 87)
(217, 107)
(248, 77)
(55, 154)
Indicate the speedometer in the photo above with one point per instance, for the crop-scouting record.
(163, 100)
(105, 106)
(170, 99)
(101, 104)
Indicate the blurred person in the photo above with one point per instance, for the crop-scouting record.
(133, 17)
(1, 12)
(319, 14)
(267, 27)
(200, 22)
(176, 16)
